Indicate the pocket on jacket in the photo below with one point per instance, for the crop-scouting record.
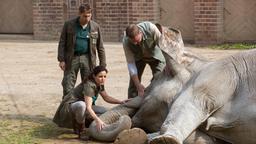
(94, 36)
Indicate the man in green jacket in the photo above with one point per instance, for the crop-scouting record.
(140, 45)
(79, 42)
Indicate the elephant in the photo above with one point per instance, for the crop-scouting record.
(152, 119)
(191, 99)
(220, 97)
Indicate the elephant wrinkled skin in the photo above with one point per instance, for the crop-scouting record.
(194, 100)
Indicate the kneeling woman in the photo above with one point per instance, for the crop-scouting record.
(71, 113)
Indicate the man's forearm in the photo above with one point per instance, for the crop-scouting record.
(132, 69)
(135, 80)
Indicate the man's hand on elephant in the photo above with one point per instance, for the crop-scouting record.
(62, 65)
(100, 124)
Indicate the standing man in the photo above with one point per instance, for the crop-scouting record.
(80, 39)
(140, 45)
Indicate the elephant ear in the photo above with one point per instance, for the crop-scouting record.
(159, 26)
(173, 68)
(172, 47)
(169, 69)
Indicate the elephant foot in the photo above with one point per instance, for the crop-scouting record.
(164, 139)
(132, 136)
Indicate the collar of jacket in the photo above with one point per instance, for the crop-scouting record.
(78, 23)
(92, 25)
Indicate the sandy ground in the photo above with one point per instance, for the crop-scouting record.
(30, 79)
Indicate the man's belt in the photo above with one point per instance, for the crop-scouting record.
(79, 54)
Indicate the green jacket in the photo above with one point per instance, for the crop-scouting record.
(67, 44)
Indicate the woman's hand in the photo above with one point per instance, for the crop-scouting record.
(100, 124)
(124, 101)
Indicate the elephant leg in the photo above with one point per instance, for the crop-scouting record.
(160, 140)
(165, 140)
(130, 136)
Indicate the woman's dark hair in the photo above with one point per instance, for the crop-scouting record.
(95, 71)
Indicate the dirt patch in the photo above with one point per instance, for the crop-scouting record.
(30, 85)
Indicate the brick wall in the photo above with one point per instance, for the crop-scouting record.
(208, 21)
(48, 18)
(115, 15)
(112, 15)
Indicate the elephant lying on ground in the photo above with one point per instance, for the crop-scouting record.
(222, 93)
(159, 94)
(191, 91)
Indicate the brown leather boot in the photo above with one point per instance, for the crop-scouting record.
(77, 127)
(80, 129)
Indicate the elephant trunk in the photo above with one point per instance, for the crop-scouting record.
(117, 120)
(179, 124)
(110, 132)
